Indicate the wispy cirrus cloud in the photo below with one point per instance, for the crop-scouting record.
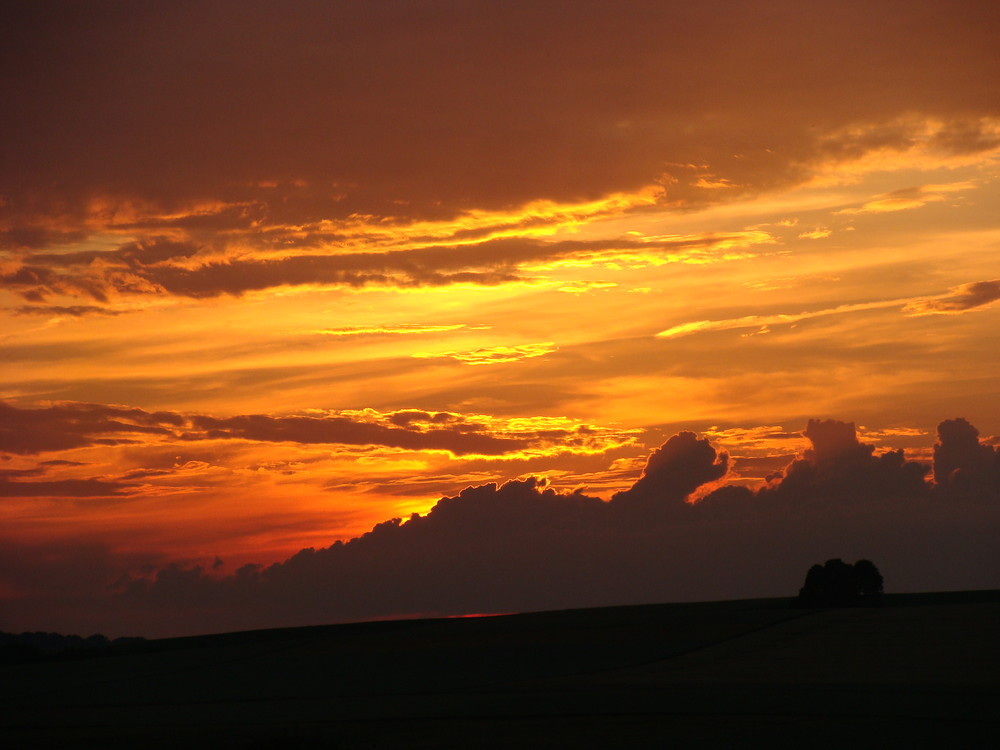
(399, 329)
(960, 299)
(816, 234)
(493, 355)
(763, 438)
(582, 287)
(763, 321)
(908, 198)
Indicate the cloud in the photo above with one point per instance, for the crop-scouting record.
(907, 198)
(673, 472)
(72, 311)
(24, 483)
(907, 141)
(333, 150)
(159, 267)
(522, 545)
(241, 196)
(760, 321)
(839, 468)
(89, 488)
(68, 426)
(961, 299)
(93, 273)
(963, 464)
(581, 287)
(346, 431)
(398, 329)
(494, 355)
(816, 234)
(147, 252)
(765, 437)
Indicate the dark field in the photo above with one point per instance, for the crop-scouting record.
(923, 671)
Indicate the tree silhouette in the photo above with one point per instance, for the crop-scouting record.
(869, 582)
(838, 584)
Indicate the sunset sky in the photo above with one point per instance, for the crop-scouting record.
(272, 273)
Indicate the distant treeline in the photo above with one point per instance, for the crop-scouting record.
(24, 648)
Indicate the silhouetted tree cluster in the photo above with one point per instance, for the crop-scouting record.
(838, 584)
(25, 648)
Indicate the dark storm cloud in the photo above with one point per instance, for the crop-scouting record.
(522, 545)
(424, 109)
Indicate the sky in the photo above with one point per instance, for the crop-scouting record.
(314, 312)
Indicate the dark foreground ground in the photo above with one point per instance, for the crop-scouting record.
(923, 671)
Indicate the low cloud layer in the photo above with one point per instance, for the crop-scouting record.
(522, 545)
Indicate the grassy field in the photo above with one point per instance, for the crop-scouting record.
(922, 671)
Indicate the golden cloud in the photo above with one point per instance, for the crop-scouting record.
(909, 198)
(960, 299)
(495, 354)
(398, 329)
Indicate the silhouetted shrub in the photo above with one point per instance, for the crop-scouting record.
(838, 584)
(23, 648)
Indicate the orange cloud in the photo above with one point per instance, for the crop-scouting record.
(960, 299)
(162, 267)
(903, 143)
(398, 330)
(581, 287)
(816, 234)
(908, 198)
(71, 426)
(495, 354)
(761, 321)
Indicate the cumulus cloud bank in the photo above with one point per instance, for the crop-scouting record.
(676, 534)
